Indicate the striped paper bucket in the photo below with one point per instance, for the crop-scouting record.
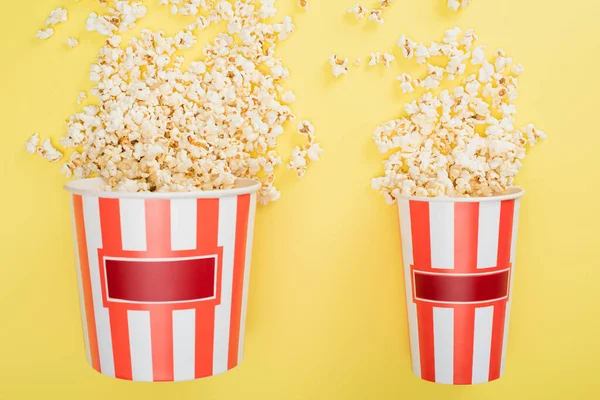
(163, 279)
(458, 256)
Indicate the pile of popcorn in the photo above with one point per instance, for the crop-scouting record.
(162, 127)
(461, 142)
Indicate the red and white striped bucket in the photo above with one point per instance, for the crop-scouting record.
(458, 256)
(163, 279)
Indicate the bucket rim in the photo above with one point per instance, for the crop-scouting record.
(511, 194)
(91, 187)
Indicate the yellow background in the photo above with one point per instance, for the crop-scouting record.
(326, 313)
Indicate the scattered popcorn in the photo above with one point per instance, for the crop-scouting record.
(381, 58)
(48, 151)
(160, 127)
(81, 97)
(44, 34)
(456, 4)
(303, 4)
(376, 15)
(406, 83)
(32, 144)
(358, 11)
(57, 16)
(72, 42)
(461, 142)
(357, 62)
(408, 46)
(517, 69)
(121, 17)
(339, 65)
(288, 97)
(309, 152)
(385, 3)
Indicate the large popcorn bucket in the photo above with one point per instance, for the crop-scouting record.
(458, 256)
(163, 279)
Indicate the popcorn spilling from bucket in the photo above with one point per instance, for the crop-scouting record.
(455, 142)
(160, 126)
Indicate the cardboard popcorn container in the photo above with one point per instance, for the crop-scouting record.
(458, 256)
(163, 279)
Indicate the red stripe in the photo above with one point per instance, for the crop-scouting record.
(241, 235)
(158, 228)
(504, 244)
(205, 335)
(161, 326)
(110, 223)
(86, 281)
(464, 332)
(207, 242)
(419, 220)
(119, 330)
(466, 224)
(208, 225)
(158, 243)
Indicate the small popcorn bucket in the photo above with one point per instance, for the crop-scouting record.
(163, 279)
(458, 256)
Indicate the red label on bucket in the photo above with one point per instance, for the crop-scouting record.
(160, 281)
(461, 288)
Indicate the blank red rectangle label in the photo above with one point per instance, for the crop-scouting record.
(160, 281)
(461, 288)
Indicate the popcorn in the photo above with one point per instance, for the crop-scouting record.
(461, 142)
(517, 69)
(456, 4)
(47, 151)
(81, 97)
(358, 11)
(57, 16)
(72, 42)
(408, 46)
(381, 58)
(339, 66)
(309, 152)
(32, 144)
(44, 34)
(159, 127)
(406, 83)
(376, 15)
(288, 97)
(121, 17)
(357, 62)
(303, 4)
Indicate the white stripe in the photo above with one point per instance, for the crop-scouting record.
(482, 343)
(443, 343)
(441, 228)
(133, 224)
(91, 211)
(184, 344)
(140, 344)
(513, 256)
(407, 255)
(86, 337)
(184, 224)
(489, 230)
(246, 287)
(227, 225)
